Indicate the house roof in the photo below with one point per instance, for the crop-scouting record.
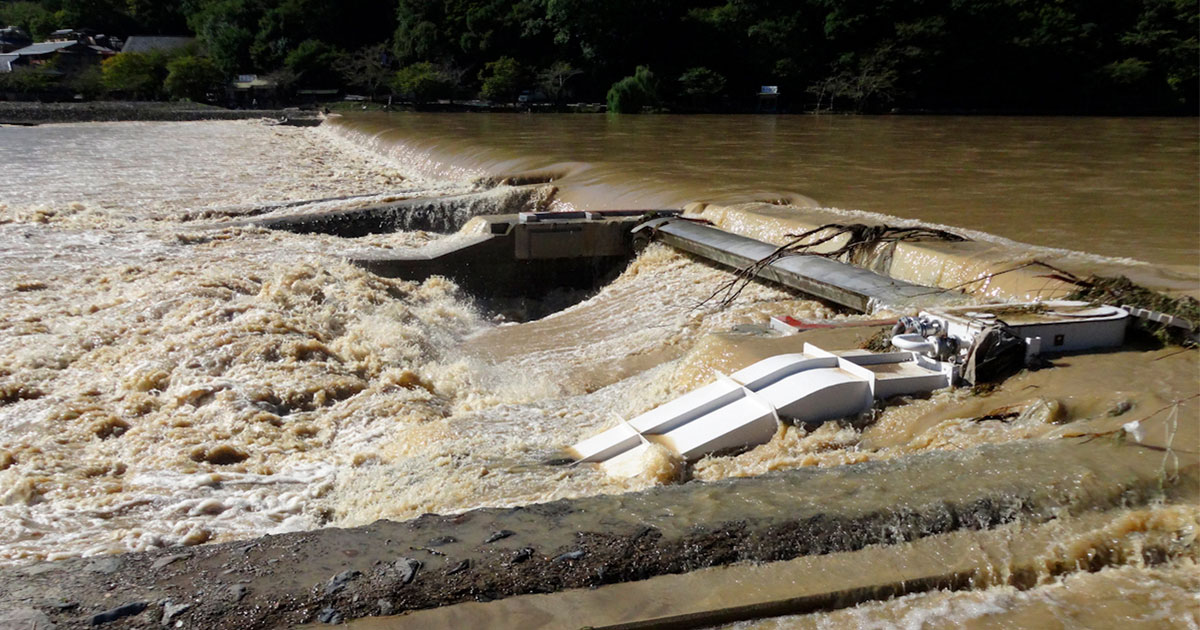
(6, 62)
(45, 48)
(42, 48)
(149, 43)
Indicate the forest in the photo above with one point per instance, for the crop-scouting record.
(1011, 56)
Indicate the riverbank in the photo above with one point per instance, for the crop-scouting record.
(32, 113)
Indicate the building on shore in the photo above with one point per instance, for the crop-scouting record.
(68, 50)
(250, 91)
(13, 38)
(156, 43)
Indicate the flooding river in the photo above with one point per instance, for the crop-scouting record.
(167, 377)
(1118, 187)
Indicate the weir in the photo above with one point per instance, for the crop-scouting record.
(522, 254)
(444, 215)
(525, 253)
(173, 360)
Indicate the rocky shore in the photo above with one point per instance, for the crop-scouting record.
(32, 113)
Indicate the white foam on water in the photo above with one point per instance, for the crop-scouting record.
(168, 385)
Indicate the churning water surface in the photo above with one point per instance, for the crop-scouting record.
(168, 377)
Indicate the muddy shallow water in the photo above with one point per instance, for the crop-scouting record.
(170, 378)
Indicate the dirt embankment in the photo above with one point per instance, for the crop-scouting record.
(28, 113)
(388, 567)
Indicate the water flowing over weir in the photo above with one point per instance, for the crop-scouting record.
(172, 373)
(1111, 187)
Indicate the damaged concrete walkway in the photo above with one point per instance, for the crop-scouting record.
(386, 568)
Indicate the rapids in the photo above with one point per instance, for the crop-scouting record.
(169, 376)
(165, 384)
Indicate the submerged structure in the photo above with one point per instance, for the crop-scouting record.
(950, 343)
(521, 254)
(939, 348)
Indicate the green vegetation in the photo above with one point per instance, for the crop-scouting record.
(30, 79)
(313, 64)
(1068, 56)
(631, 94)
(421, 82)
(501, 80)
(191, 77)
(31, 17)
(553, 80)
(367, 68)
(134, 75)
(701, 85)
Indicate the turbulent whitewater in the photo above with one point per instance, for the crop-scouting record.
(172, 376)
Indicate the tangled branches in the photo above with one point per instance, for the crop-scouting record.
(860, 238)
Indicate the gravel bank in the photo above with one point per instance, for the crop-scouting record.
(14, 112)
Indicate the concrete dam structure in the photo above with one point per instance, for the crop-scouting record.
(524, 253)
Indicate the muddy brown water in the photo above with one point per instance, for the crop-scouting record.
(1117, 187)
(165, 385)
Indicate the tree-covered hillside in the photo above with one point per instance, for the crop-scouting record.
(1083, 56)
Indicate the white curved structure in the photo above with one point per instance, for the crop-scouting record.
(744, 408)
(913, 342)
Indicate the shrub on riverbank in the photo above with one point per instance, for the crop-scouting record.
(134, 75)
(501, 80)
(631, 94)
(191, 78)
(421, 82)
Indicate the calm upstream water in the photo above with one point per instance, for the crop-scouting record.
(1126, 187)
(168, 377)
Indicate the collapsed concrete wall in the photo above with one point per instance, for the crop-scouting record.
(388, 567)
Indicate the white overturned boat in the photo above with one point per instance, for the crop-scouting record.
(746, 407)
